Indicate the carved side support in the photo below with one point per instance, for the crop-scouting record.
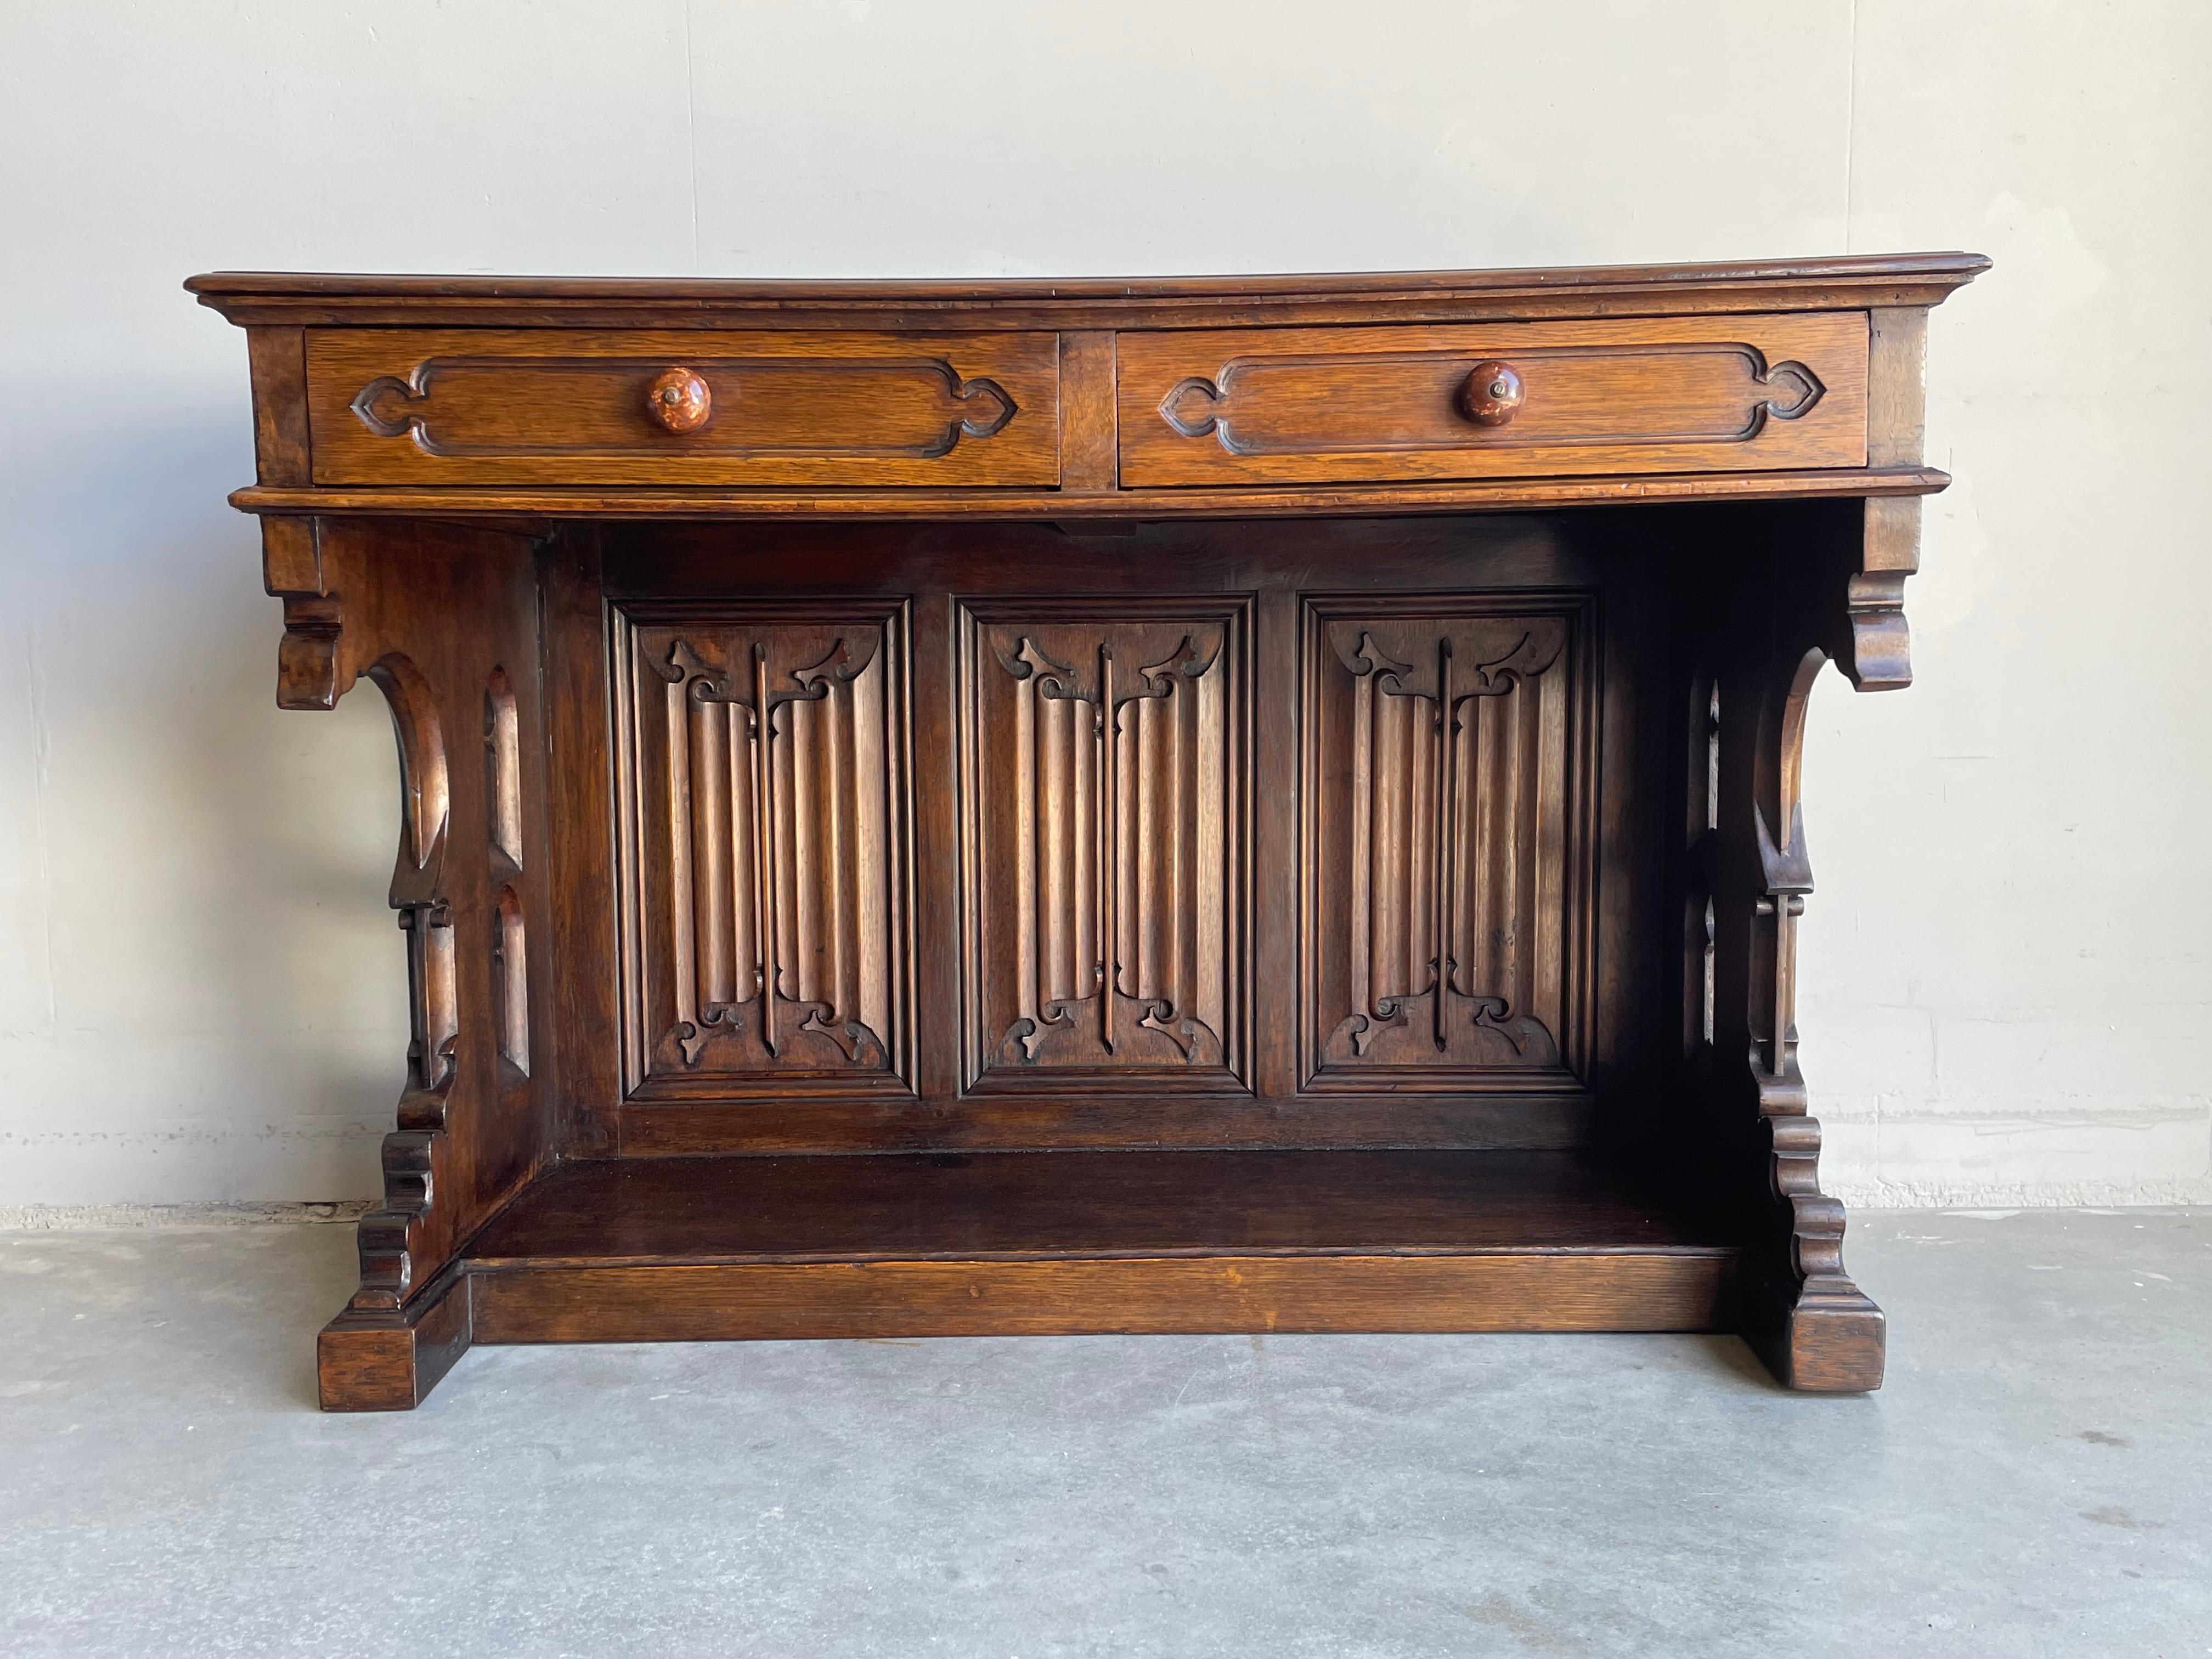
(1787, 590)
(1814, 1327)
(1782, 591)
(442, 621)
(419, 894)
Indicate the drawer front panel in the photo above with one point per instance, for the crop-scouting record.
(491, 406)
(1348, 405)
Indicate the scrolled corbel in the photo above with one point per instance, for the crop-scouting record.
(312, 672)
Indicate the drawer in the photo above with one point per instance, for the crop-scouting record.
(560, 406)
(1349, 405)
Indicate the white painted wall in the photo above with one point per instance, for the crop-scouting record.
(2009, 997)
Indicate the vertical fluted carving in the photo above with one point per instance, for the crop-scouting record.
(779, 745)
(1104, 839)
(1443, 812)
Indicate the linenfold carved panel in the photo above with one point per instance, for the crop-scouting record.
(1103, 800)
(763, 753)
(1447, 830)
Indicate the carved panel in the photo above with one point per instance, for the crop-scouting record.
(764, 798)
(1103, 799)
(918, 408)
(1448, 797)
(1224, 406)
(1724, 394)
(765, 407)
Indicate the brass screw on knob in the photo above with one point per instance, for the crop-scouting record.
(1491, 394)
(679, 400)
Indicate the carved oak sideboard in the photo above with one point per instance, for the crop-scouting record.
(1233, 804)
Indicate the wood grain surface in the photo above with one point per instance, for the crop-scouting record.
(521, 406)
(1853, 283)
(916, 1205)
(1092, 806)
(545, 506)
(1228, 1293)
(1384, 405)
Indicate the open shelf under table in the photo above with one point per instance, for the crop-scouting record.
(1068, 1241)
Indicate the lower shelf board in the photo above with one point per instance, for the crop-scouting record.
(918, 1244)
(1054, 1243)
(1678, 1291)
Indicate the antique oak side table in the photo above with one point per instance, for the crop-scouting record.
(1242, 804)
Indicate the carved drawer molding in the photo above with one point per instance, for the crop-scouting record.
(764, 779)
(393, 406)
(1104, 836)
(1379, 404)
(1449, 842)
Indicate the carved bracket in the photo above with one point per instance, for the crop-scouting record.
(311, 670)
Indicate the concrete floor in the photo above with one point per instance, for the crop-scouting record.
(2034, 1479)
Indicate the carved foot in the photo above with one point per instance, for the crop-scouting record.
(389, 1362)
(1817, 1342)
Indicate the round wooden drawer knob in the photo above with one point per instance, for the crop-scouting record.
(1491, 394)
(679, 400)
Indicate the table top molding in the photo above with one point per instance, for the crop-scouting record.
(1850, 283)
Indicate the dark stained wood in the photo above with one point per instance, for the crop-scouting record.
(1514, 1291)
(1086, 850)
(1384, 405)
(1097, 807)
(763, 779)
(996, 1119)
(587, 1043)
(443, 621)
(922, 1205)
(1088, 450)
(277, 361)
(387, 1361)
(550, 505)
(519, 406)
(1850, 283)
